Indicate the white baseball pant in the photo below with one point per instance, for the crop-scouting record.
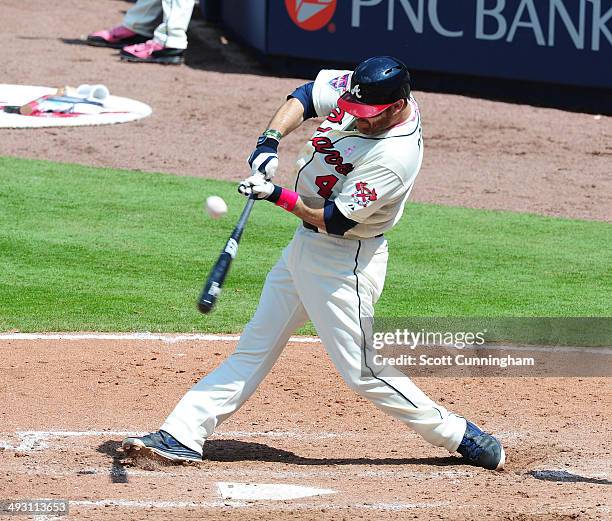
(335, 282)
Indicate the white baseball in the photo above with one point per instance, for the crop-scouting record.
(215, 206)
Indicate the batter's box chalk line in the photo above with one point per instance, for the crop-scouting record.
(29, 441)
(231, 493)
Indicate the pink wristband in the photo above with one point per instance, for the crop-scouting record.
(288, 199)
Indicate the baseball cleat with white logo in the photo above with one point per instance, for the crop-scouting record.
(481, 449)
(162, 444)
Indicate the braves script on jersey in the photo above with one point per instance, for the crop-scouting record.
(368, 177)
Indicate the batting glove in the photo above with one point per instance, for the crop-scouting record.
(264, 159)
(256, 185)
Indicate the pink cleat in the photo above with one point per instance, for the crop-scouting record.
(152, 52)
(116, 38)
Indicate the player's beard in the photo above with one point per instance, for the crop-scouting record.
(376, 124)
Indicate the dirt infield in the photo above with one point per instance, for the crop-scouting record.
(70, 402)
(208, 114)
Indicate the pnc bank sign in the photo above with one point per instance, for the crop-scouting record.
(587, 24)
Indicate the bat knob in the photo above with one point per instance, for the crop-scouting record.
(204, 306)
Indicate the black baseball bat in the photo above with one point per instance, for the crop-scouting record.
(217, 275)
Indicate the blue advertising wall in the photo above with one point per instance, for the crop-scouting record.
(247, 19)
(568, 42)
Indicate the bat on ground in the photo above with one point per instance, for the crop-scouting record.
(217, 275)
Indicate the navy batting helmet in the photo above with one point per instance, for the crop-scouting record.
(375, 85)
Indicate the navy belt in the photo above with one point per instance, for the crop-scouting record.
(313, 228)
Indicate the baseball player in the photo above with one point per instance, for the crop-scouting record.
(353, 178)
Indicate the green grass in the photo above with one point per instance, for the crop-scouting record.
(109, 250)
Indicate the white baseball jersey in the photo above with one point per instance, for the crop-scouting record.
(368, 177)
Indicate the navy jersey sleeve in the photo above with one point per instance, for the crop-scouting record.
(304, 95)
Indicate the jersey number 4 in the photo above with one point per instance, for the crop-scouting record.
(326, 184)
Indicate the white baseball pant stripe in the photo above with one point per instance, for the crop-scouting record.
(334, 282)
(164, 20)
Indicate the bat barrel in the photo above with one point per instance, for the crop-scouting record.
(217, 275)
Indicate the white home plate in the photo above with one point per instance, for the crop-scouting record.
(267, 491)
(116, 110)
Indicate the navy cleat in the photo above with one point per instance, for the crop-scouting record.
(162, 444)
(481, 449)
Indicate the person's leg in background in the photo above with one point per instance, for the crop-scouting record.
(172, 31)
(137, 26)
(143, 17)
(170, 37)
